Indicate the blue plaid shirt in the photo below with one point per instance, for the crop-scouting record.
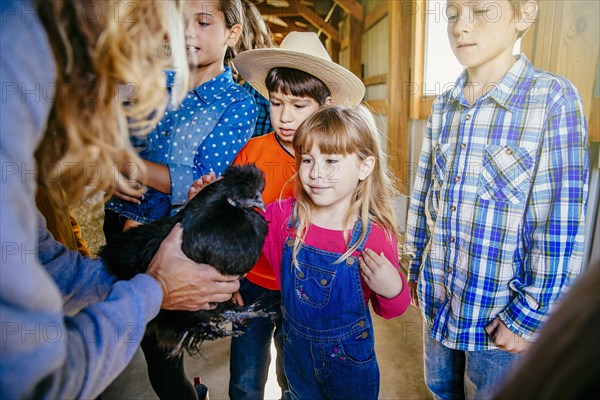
(496, 220)
(263, 106)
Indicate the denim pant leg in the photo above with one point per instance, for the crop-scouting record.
(300, 368)
(167, 374)
(484, 371)
(278, 341)
(250, 352)
(444, 368)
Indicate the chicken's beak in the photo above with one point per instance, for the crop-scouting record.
(258, 202)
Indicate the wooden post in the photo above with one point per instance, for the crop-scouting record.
(566, 43)
(400, 25)
(355, 49)
(333, 48)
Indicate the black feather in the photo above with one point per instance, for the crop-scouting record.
(221, 227)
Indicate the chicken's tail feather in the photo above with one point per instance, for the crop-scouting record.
(218, 325)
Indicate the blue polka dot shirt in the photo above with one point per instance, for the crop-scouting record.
(204, 134)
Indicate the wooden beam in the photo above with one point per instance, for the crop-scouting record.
(545, 35)
(355, 46)
(567, 44)
(352, 7)
(345, 43)
(282, 12)
(316, 20)
(594, 126)
(575, 52)
(375, 80)
(399, 48)
(380, 11)
(416, 97)
(284, 31)
(333, 48)
(426, 105)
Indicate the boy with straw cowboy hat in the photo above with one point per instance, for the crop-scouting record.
(298, 78)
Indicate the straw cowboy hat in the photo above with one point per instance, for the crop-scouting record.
(302, 51)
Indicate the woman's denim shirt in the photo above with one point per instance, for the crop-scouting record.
(203, 134)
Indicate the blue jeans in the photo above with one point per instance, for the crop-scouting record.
(458, 374)
(251, 352)
(154, 206)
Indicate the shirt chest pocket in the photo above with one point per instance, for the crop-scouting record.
(505, 174)
(313, 285)
(198, 130)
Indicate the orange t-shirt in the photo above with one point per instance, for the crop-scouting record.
(278, 166)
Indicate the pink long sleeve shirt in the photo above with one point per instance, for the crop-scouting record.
(278, 214)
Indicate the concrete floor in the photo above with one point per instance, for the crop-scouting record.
(398, 346)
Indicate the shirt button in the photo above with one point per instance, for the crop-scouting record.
(468, 117)
(323, 282)
(452, 208)
(301, 274)
(449, 270)
(452, 239)
(167, 133)
(509, 151)
(456, 178)
(463, 145)
(364, 335)
(361, 323)
(350, 261)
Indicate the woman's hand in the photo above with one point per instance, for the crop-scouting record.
(186, 284)
(379, 274)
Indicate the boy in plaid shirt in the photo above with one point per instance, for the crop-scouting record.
(496, 221)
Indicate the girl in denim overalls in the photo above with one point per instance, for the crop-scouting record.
(333, 249)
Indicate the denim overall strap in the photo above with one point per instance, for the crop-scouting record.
(326, 298)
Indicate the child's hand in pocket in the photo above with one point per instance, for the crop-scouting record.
(379, 274)
(506, 339)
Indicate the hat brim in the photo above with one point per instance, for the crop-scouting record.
(254, 65)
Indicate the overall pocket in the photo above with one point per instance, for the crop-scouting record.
(312, 285)
(357, 350)
(506, 174)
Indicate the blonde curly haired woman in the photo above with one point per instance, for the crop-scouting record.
(77, 77)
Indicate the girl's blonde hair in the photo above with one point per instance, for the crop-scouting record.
(256, 33)
(108, 83)
(346, 130)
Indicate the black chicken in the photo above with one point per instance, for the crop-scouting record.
(220, 227)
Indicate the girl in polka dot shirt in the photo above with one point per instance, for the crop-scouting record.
(206, 131)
